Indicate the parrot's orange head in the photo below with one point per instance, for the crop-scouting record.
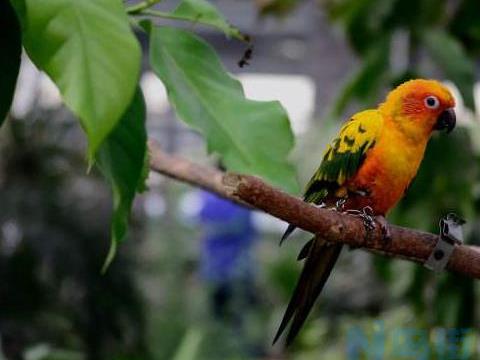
(421, 106)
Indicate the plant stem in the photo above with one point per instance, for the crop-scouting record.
(141, 6)
(165, 15)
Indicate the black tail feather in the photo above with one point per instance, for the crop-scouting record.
(305, 250)
(319, 262)
(287, 233)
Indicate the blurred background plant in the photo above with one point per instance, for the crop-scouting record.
(324, 60)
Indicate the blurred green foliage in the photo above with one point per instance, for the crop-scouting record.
(439, 35)
(54, 302)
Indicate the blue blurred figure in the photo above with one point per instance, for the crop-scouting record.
(226, 256)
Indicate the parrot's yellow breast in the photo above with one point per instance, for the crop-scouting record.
(389, 168)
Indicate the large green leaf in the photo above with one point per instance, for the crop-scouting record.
(10, 55)
(252, 137)
(90, 52)
(121, 159)
(449, 54)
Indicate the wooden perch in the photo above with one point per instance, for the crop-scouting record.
(334, 226)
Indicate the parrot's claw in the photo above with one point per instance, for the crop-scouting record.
(370, 221)
(386, 234)
(367, 215)
(339, 205)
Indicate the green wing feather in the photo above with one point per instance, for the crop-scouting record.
(344, 156)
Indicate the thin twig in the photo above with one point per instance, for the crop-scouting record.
(405, 243)
(141, 6)
(233, 32)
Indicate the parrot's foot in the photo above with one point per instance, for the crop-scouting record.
(370, 221)
(386, 234)
(366, 214)
(339, 205)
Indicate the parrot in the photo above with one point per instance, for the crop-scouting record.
(367, 169)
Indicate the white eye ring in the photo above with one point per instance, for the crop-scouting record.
(432, 102)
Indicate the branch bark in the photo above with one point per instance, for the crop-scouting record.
(248, 190)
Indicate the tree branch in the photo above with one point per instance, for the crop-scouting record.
(248, 190)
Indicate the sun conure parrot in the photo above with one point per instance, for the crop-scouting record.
(369, 165)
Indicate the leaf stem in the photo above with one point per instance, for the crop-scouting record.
(170, 16)
(141, 6)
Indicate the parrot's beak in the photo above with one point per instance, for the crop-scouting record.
(446, 120)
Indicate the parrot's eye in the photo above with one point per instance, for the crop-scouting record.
(432, 102)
